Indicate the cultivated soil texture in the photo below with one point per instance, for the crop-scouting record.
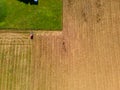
(84, 56)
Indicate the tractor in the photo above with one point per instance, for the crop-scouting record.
(31, 35)
(32, 2)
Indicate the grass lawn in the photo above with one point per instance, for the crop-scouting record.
(47, 15)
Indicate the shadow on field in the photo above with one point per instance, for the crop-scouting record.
(24, 1)
(3, 11)
(32, 2)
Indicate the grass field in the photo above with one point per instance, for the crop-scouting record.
(47, 15)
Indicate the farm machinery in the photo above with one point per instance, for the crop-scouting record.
(32, 2)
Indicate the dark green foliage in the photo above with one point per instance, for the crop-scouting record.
(2, 11)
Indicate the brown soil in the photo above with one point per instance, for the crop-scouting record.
(85, 55)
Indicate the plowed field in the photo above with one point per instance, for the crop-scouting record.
(84, 56)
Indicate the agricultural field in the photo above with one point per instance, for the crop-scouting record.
(15, 61)
(15, 14)
(85, 55)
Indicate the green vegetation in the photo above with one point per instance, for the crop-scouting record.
(2, 10)
(47, 15)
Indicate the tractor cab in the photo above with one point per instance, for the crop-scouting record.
(31, 35)
(34, 2)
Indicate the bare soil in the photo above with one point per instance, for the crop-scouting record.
(84, 56)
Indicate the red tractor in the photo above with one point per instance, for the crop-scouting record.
(31, 35)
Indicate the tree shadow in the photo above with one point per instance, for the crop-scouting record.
(24, 1)
(32, 2)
